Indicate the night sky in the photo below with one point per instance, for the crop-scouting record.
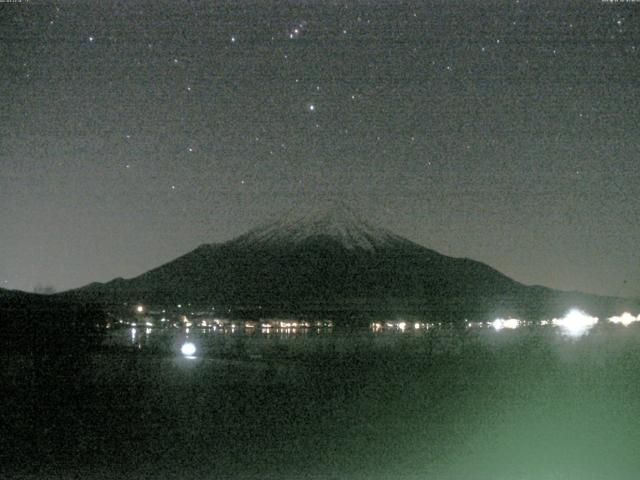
(506, 132)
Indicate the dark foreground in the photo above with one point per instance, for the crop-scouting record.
(449, 405)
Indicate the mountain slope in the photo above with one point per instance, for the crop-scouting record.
(329, 259)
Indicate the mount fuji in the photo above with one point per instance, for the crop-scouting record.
(328, 260)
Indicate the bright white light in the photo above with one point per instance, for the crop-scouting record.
(625, 319)
(510, 323)
(575, 323)
(188, 349)
(140, 309)
(312, 107)
(402, 326)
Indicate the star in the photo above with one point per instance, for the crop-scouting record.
(91, 39)
(233, 39)
(312, 108)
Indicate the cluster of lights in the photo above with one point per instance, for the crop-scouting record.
(401, 325)
(575, 323)
(510, 323)
(625, 319)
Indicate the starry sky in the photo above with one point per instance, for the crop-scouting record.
(507, 132)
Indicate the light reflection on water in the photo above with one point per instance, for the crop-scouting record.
(282, 337)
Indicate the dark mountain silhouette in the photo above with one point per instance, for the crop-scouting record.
(330, 260)
(49, 324)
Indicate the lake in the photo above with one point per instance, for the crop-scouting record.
(478, 402)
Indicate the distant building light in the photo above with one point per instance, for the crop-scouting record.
(625, 319)
(510, 323)
(575, 323)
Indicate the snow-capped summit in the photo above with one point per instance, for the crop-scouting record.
(335, 221)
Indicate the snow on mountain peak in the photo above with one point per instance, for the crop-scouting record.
(335, 220)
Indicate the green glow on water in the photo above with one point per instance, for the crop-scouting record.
(509, 404)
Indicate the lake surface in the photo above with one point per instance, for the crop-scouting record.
(322, 403)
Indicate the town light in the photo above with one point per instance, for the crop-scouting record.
(625, 319)
(575, 323)
(500, 323)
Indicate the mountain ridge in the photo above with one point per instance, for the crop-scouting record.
(332, 260)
